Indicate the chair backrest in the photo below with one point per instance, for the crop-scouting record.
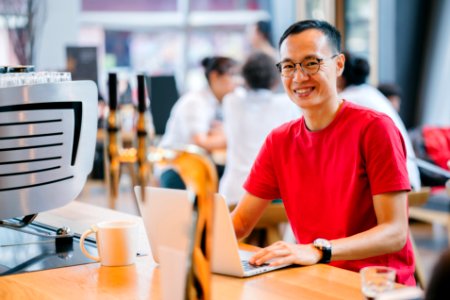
(274, 215)
(418, 198)
(447, 186)
(432, 147)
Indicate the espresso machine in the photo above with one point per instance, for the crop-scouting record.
(48, 127)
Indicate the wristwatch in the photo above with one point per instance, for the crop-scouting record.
(324, 246)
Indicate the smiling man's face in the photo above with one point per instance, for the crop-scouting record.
(309, 91)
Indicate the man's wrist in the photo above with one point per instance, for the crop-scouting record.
(324, 246)
(317, 254)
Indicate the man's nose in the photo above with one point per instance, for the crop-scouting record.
(299, 74)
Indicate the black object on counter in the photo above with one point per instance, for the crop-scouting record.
(20, 69)
(112, 89)
(141, 93)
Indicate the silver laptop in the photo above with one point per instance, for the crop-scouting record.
(167, 218)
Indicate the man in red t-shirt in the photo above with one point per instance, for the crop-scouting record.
(340, 169)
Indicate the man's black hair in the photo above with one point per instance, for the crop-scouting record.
(220, 64)
(333, 35)
(356, 69)
(265, 28)
(390, 89)
(259, 71)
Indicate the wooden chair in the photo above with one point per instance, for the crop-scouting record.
(447, 186)
(269, 225)
(415, 201)
(273, 217)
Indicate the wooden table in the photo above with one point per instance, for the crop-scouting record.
(142, 280)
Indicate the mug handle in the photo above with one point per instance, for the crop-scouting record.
(83, 248)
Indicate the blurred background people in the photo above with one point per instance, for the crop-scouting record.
(260, 38)
(196, 117)
(393, 93)
(250, 113)
(438, 287)
(353, 87)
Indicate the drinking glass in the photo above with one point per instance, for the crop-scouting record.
(376, 280)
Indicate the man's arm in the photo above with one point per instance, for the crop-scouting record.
(247, 213)
(388, 236)
(215, 139)
(210, 142)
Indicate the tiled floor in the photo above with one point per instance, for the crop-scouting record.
(431, 240)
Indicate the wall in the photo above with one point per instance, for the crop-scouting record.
(283, 15)
(434, 96)
(4, 47)
(386, 41)
(59, 29)
(411, 31)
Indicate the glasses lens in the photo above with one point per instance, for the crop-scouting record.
(310, 65)
(287, 68)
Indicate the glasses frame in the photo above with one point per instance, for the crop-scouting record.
(305, 72)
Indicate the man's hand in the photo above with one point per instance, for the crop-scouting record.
(281, 253)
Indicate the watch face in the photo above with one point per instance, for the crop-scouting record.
(322, 243)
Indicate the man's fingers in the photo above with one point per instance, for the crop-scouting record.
(285, 260)
(271, 254)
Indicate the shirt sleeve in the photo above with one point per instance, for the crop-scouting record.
(385, 157)
(196, 117)
(262, 181)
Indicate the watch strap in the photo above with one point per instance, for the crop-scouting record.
(326, 255)
(324, 246)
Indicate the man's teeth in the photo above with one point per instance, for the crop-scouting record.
(302, 91)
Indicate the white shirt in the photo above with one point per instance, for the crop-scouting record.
(249, 116)
(368, 96)
(192, 114)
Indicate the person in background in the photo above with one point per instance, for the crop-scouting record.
(340, 169)
(260, 38)
(393, 93)
(353, 87)
(196, 118)
(250, 113)
(439, 288)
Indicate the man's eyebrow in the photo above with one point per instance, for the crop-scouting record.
(310, 56)
(306, 57)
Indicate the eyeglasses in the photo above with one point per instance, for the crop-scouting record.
(309, 66)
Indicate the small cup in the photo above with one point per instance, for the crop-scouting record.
(376, 280)
(116, 242)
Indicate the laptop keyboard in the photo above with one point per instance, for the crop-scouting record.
(249, 267)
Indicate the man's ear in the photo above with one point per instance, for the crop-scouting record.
(340, 64)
